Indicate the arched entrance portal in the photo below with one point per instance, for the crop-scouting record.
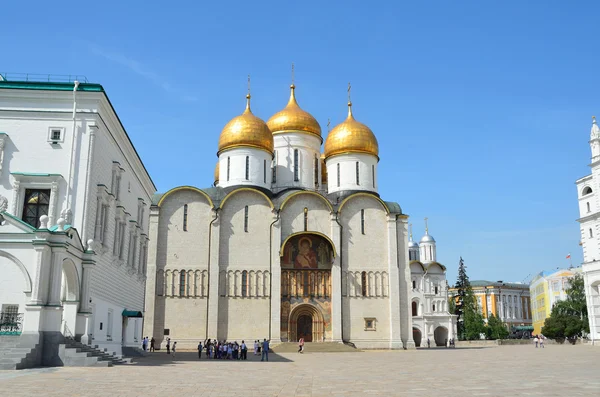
(306, 321)
(441, 336)
(417, 337)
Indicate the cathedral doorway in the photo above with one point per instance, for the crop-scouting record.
(304, 327)
(441, 336)
(417, 337)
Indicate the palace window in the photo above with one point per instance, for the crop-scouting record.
(362, 221)
(415, 311)
(296, 178)
(36, 204)
(338, 174)
(101, 229)
(182, 283)
(121, 240)
(109, 325)
(247, 167)
(364, 284)
(115, 187)
(244, 283)
(228, 167)
(246, 218)
(185, 217)
(357, 173)
(56, 134)
(305, 219)
(370, 324)
(132, 245)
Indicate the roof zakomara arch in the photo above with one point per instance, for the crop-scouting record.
(415, 262)
(313, 233)
(246, 189)
(430, 265)
(294, 194)
(360, 194)
(180, 188)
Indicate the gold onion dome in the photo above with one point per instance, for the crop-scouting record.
(323, 170)
(292, 118)
(350, 136)
(246, 130)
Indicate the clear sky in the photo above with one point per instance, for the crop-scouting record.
(482, 111)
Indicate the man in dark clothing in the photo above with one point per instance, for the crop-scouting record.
(199, 349)
(265, 350)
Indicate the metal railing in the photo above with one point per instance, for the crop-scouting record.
(45, 78)
(11, 323)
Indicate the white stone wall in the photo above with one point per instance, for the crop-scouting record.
(367, 175)
(318, 215)
(259, 171)
(308, 147)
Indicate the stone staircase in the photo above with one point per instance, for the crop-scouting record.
(314, 347)
(77, 354)
(15, 354)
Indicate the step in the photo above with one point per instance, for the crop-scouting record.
(8, 366)
(11, 360)
(314, 347)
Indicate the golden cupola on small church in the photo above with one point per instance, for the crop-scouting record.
(293, 119)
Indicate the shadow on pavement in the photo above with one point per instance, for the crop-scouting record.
(162, 358)
(454, 348)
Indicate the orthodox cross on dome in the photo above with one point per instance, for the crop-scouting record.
(248, 85)
(328, 124)
(410, 227)
(293, 77)
(426, 228)
(349, 101)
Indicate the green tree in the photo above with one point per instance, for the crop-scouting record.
(569, 318)
(470, 322)
(495, 328)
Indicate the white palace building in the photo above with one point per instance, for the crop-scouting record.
(292, 241)
(74, 202)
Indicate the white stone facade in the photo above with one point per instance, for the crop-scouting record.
(589, 220)
(85, 264)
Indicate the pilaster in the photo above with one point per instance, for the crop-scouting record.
(275, 282)
(336, 279)
(405, 281)
(394, 287)
(58, 255)
(151, 273)
(213, 279)
(40, 287)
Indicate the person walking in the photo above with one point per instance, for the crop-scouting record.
(152, 342)
(542, 337)
(144, 343)
(244, 351)
(200, 350)
(428, 343)
(168, 345)
(265, 350)
(174, 346)
(256, 348)
(301, 345)
(536, 340)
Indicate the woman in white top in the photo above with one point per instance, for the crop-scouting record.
(255, 347)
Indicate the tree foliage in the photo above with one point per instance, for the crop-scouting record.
(470, 321)
(569, 318)
(495, 328)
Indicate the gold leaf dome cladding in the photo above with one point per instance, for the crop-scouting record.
(350, 136)
(246, 130)
(292, 118)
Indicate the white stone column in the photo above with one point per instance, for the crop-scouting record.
(53, 204)
(213, 280)
(336, 278)
(394, 284)
(58, 255)
(39, 289)
(405, 282)
(275, 282)
(16, 198)
(151, 274)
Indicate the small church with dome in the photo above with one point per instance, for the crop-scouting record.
(292, 241)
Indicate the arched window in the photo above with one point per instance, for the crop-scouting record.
(246, 218)
(296, 178)
(362, 221)
(182, 283)
(364, 282)
(305, 219)
(357, 173)
(244, 283)
(247, 167)
(587, 190)
(588, 207)
(436, 289)
(228, 167)
(185, 213)
(338, 174)
(414, 309)
(433, 308)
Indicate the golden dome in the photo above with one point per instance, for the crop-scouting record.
(323, 170)
(216, 174)
(350, 136)
(292, 118)
(246, 130)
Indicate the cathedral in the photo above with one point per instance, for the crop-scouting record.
(292, 241)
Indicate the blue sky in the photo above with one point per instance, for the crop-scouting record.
(482, 111)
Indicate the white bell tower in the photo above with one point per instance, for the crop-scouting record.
(595, 140)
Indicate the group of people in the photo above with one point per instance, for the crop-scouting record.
(219, 350)
(145, 342)
(539, 340)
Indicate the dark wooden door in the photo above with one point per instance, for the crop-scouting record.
(305, 328)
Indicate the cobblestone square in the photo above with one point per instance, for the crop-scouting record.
(474, 371)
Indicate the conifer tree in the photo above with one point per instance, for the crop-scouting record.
(469, 322)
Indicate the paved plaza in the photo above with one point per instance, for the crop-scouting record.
(487, 371)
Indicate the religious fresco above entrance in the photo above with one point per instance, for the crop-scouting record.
(307, 251)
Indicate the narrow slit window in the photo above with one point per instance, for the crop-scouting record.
(316, 171)
(185, 216)
(305, 219)
(228, 167)
(430, 253)
(363, 280)
(296, 179)
(362, 221)
(373, 172)
(245, 283)
(591, 234)
(275, 168)
(436, 289)
(182, 283)
(588, 207)
(247, 167)
(246, 218)
(264, 171)
(414, 284)
(338, 174)
(357, 173)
